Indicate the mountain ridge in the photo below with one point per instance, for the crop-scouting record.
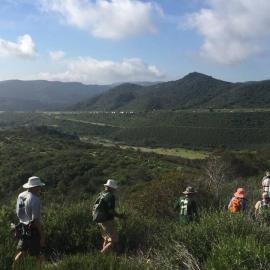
(195, 90)
(44, 95)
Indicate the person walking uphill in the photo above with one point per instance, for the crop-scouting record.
(239, 202)
(187, 206)
(28, 210)
(104, 213)
(262, 209)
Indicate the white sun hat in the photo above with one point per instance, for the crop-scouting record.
(111, 183)
(33, 181)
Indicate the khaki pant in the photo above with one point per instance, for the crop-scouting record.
(109, 232)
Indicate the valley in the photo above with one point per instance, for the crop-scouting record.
(154, 153)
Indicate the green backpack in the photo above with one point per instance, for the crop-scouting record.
(99, 212)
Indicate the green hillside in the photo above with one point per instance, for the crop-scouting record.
(69, 165)
(151, 237)
(188, 129)
(193, 91)
(246, 95)
(118, 97)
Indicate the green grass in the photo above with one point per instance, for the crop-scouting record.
(175, 152)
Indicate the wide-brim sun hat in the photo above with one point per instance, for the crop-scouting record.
(111, 184)
(33, 181)
(189, 190)
(240, 193)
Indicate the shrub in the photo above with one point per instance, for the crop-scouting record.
(157, 198)
(245, 253)
(8, 243)
(70, 229)
(200, 238)
(99, 262)
(139, 232)
(173, 256)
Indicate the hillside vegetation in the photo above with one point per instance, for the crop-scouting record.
(71, 167)
(49, 145)
(150, 237)
(193, 91)
(187, 129)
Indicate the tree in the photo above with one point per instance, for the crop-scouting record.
(216, 176)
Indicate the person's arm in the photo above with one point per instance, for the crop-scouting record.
(111, 208)
(36, 220)
(257, 208)
(116, 214)
(263, 183)
(177, 205)
(194, 208)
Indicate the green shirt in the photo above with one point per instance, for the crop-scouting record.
(187, 208)
(109, 203)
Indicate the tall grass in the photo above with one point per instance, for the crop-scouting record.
(218, 240)
(244, 252)
(91, 261)
(98, 262)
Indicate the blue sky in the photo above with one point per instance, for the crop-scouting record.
(108, 41)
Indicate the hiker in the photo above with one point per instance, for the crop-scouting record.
(239, 203)
(28, 210)
(266, 182)
(187, 206)
(104, 213)
(262, 205)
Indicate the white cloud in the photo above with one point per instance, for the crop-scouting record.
(113, 19)
(92, 71)
(57, 55)
(233, 30)
(25, 47)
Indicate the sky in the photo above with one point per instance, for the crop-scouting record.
(112, 41)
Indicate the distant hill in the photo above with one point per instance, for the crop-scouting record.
(195, 90)
(249, 94)
(44, 95)
(118, 97)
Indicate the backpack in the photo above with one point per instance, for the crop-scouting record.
(22, 230)
(99, 212)
(236, 205)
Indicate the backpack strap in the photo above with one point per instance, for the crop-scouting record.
(100, 197)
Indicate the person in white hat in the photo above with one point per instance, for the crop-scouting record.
(104, 213)
(28, 209)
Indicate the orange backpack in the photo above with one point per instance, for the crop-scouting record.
(236, 205)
